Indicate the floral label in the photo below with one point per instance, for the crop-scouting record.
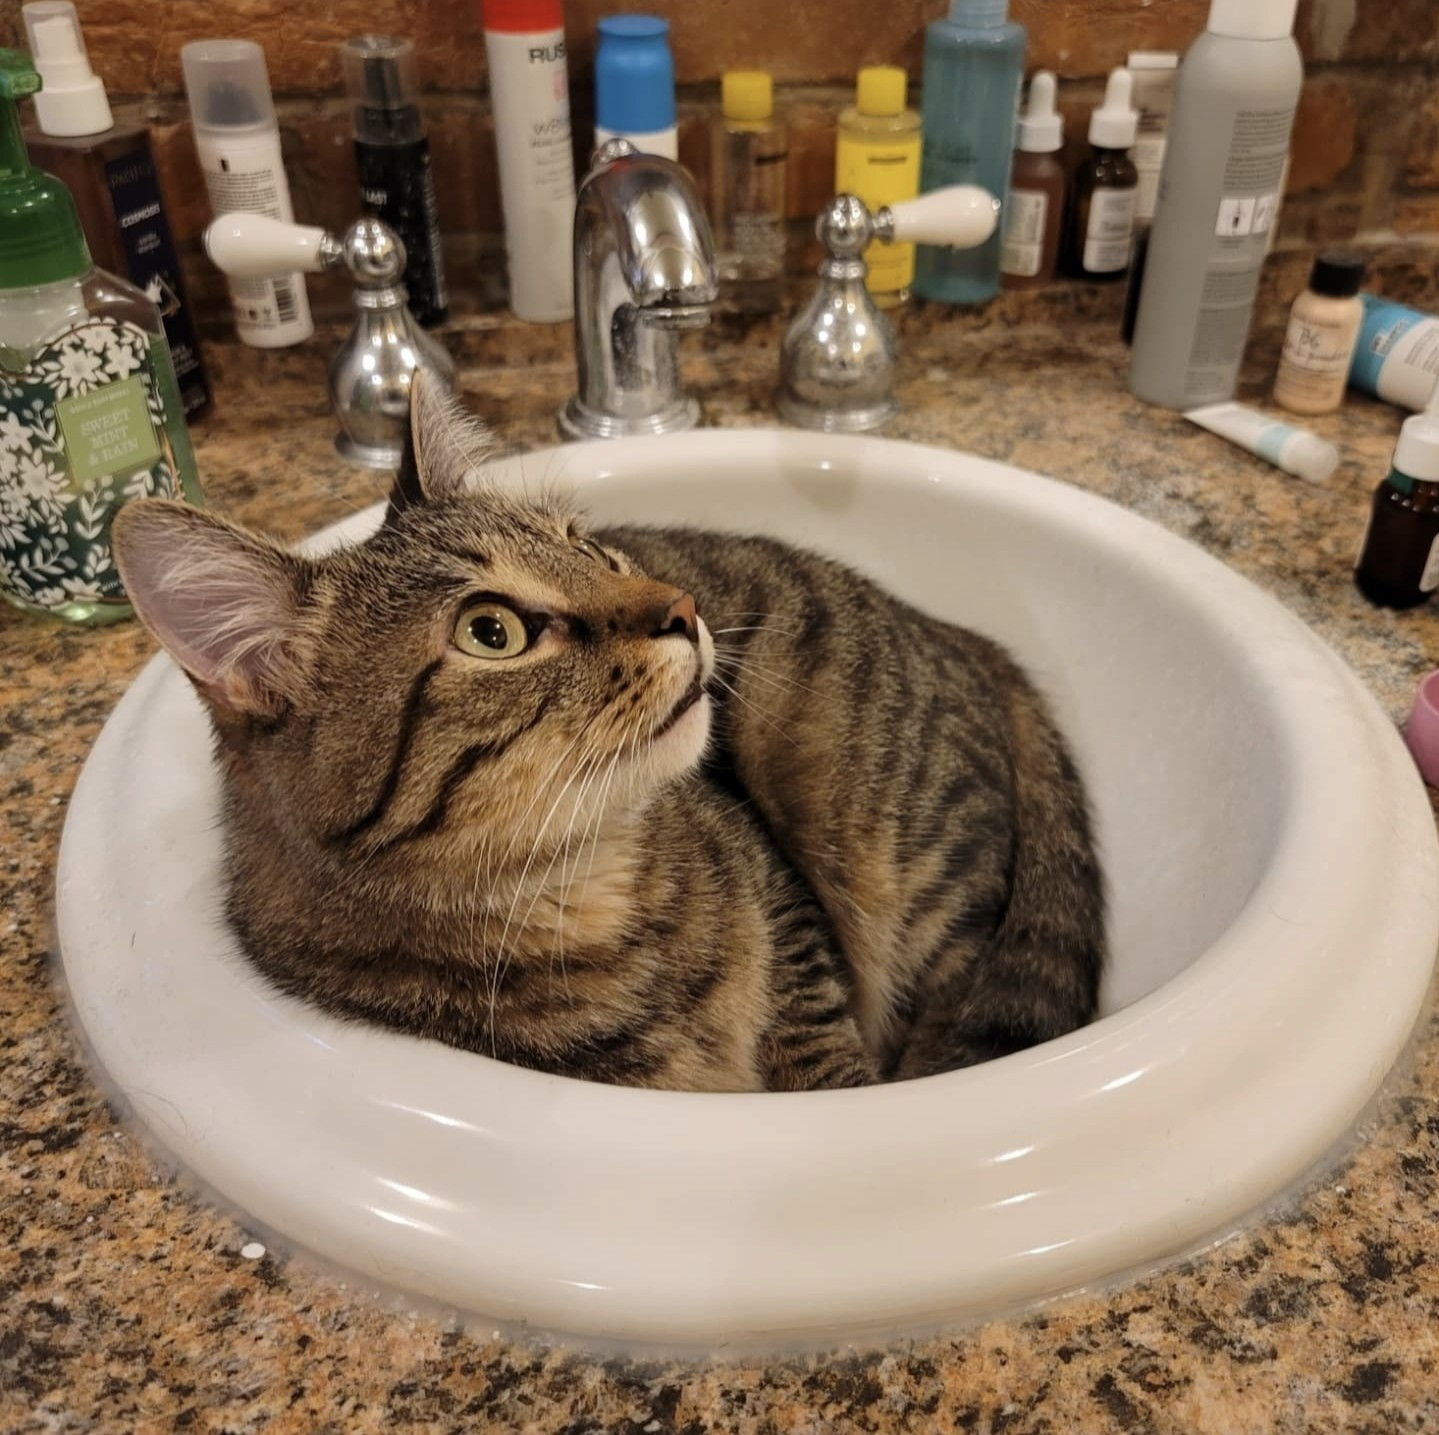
(107, 429)
(82, 431)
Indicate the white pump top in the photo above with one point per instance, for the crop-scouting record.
(1417, 452)
(1115, 124)
(1041, 127)
(1252, 19)
(72, 100)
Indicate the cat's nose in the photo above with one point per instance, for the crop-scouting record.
(679, 618)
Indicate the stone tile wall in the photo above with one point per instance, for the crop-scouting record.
(1366, 151)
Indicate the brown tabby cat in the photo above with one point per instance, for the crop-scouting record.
(464, 796)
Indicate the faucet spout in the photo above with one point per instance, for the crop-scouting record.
(644, 270)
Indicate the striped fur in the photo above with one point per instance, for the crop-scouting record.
(863, 852)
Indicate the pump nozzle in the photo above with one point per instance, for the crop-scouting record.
(40, 236)
(73, 101)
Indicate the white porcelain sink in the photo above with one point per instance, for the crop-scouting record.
(1275, 893)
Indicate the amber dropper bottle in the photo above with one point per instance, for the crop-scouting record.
(1398, 563)
(1100, 231)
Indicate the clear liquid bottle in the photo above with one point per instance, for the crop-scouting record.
(90, 413)
(876, 159)
(973, 65)
(748, 156)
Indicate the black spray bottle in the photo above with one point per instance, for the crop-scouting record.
(393, 156)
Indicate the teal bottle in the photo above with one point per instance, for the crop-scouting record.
(973, 66)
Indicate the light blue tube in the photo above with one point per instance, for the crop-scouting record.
(1397, 356)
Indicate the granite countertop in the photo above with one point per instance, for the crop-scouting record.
(128, 1303)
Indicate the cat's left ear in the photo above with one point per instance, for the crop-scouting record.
(445, 448)
(225, 604)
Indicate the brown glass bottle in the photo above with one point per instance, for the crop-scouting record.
(1099, 232)
(112, 178)
(1398, 563)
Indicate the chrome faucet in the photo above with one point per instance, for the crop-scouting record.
(644, 270)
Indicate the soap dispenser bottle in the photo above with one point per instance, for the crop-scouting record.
(973, 66)
(90, 414)
(1034, 206)
(109, 170)
(1398, 564)
(1100, 233)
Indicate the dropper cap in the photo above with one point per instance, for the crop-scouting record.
(1115, 124)
(73, 101)
(1041, 126)
(41, 241)
(1417, 452)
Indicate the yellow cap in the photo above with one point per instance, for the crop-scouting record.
(746, 95)
(881, 90)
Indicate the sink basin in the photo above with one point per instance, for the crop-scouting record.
(1275, 899)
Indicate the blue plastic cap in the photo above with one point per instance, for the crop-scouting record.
(634, 75)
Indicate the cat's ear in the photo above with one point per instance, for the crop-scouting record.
(227, 606)
(445, 449)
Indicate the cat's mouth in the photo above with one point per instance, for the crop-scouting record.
(691, 696)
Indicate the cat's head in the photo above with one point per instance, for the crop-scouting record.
(476, 677)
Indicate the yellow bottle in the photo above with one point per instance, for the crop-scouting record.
(877, 158)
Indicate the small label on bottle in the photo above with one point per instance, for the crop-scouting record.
(1111, 230)
(1429, 578)
(1314, 365)
(1022, 249)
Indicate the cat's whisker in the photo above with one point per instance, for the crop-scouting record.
(768, 721)
(505, 955)
(734, 663)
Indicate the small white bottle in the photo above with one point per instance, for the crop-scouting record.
(530, 97)
(238, 140)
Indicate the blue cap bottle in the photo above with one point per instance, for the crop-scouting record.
(635, 84)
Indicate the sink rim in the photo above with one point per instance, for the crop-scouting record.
(717, 1234)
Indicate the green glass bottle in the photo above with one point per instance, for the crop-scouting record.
(90, 414)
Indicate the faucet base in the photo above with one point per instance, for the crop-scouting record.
(577, 420)
(835, 420)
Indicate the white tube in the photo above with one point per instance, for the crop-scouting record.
(1295, 450)
(531, 98)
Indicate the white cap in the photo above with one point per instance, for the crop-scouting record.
(1307, 456)
(1041, 127)
(1115, 124)
(1417, 452)
(227, 84)
(72, 98)
(1251, 19)
(1152, 60)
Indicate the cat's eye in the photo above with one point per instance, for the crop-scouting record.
(592, 551)
(490, 630)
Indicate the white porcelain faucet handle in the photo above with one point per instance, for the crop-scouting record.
(960, 216)
(254, 246)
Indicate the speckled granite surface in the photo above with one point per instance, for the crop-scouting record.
(127, 1304)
